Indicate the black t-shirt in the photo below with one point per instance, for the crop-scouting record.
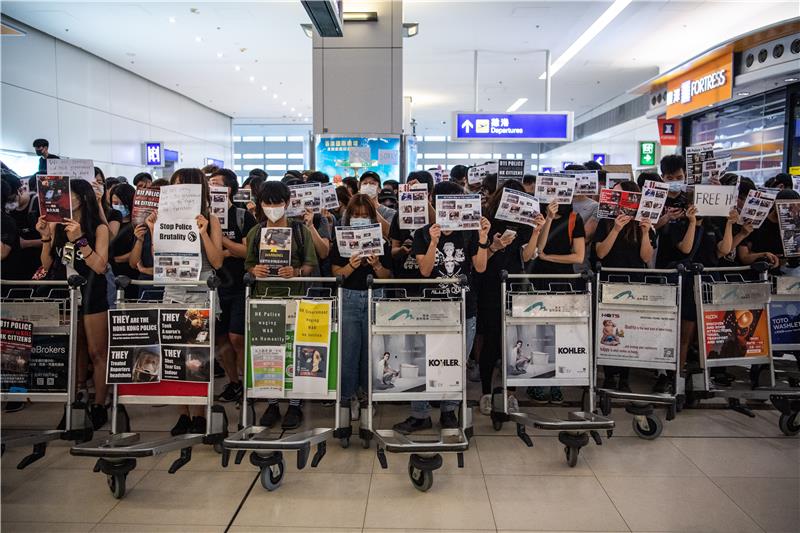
(43, 162)
(454, 255)
(112, 215)
(122, 244)
(29, 259)
(357, 280)
(767, 238)
(708, 233)
(559, 243)
(403, 267)
(232, 271)
(10, 267)
(624, 253)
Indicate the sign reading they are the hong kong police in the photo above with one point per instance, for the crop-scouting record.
(537, 127)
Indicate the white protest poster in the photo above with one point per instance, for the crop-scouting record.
(388, 157)
(476, 174)
(176, 250)
(413, 206)
(695, 156)
(302, 197)
(458, 212)
(796, 183)
(586, 183)
(714, 200)
(312, 347)
(637, 336)
(438, 175)
(74, 168)
(713, 169)
(612, 178)
(510, 169)
(756, 208)
(219, 205)
(443, 362)
(180, 202)
(555, 187)
(361, 240)
(328, 198)
(654, 197)
(359, 155)
(789, 224)
(516, 206)
(492, 167)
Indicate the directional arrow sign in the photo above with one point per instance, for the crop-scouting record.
(647, 153)
(535, 127)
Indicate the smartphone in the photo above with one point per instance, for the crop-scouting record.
(508, 233)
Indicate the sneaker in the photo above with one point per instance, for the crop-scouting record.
(99, 416)
(411, 424)
(555, 395)
(293, 418)
(473, 371)
(219, 372)
(82, 396)
(447, 420)
(513, 405)
(270, 416)
(199, 425)
(13, 407)
(182, 426)
(355, 410)
(231, 393)
(536, 394)
(663, 384)
(623, 386)
(609, 383)
(486, 404)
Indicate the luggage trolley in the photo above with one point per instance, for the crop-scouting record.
(52, 309)
(784, 308)
(546, 332)
(118, 452)
(733, 321)
(640, 309)
(266, 449)
(427, 331)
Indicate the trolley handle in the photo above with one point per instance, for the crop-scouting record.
(123, 282)
(460, 280)
(250, 280)
(758, 266)
(75, 281)
(615, 270)
(586, 275)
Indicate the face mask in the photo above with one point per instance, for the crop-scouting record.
(274, 214)
(360, 221)
(39, 151)
(12, 206)
(123, 210)
(370, 189)
(676, 186)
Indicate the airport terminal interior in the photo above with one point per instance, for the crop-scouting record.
(400, 265)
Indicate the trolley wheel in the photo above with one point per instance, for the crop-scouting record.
(497, 424)
(422, 480)
(789, 424)
(651, 430)
(116, 483)
(572, 453)
(272, 475)
(344, 442)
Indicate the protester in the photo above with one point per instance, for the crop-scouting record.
(124, 240)
(142, 180)
(42, 148)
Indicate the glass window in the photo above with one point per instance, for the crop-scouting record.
(275, 138)
(252, 138)
(275, 156)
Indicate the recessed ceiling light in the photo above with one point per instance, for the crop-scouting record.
(516, 105)
(299, 114)
(743, 93)
(274, 95)
(171, 20)
(252, 79)
(219, 54)
(292, 110)
(263, 87)
(305, 119)
(237, 68)
(791, 80)
(283, 103)
(198, 39)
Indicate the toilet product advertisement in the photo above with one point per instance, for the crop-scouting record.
(176, 242)
(361, 240)
(458, 212)
(413, 205)
(417, 363)
(784, 319)
(637, 337)
(558, 188)
(311, 346)
(219, 205)
(736, 333)
(516, 206)
(302, 197)
(547, 351)
(151, 345)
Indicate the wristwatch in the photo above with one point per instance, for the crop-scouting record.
(485, 244)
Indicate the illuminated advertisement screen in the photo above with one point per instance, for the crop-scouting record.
(339, 155)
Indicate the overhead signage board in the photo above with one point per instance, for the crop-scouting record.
(498, 127)
(647, 153)
(600, 159)
(216, 162)
(706, 84)
(154, 154)
(669, 131)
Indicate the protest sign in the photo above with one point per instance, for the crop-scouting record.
(361, 240)
(612, 178)
(654, 197)
(516, 206)
(311, 346)
(586, 183)
(16, 345)
(510, 169)
(476, 174)
(756, 208)
(713, 170)
(695, 156)
(145, 202)
(180, 202)
(412, 206)
(789, 224)
(55, 198)
(242, 196)
(614, 203)
(82, 169)
(302, 197)
(713, 200)
(275, 248)
(560, 188)
(458, 212)
(219, 205)
(328, 198)
(176, 240)
(134, 351)
(267, 338)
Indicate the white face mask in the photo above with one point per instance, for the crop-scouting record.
(370, 189)
(360, 221)
(12, 206)
(676, 186)
(274, 214)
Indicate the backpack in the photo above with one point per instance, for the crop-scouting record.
(571, 225)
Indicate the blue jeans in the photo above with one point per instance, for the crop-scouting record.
(422, 409)
(355, 343)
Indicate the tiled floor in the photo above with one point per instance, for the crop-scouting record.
(712, 470)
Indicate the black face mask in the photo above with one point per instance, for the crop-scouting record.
(39, 151)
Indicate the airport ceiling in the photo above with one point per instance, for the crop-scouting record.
(252, 59)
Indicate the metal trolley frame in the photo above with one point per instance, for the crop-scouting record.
(266, 450)
(657, 294)
(574, 432)
(117, 453)
(786, 291)
(730, 292)
(77, 426)
(424, 454)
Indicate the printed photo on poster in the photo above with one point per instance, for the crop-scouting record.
(310, 361)
(186, 363)
(134, 354)
(416, 363)
(55, 200)
(145, 201)
(652, 202)
(361, 240)
(695, 157)
(736, 333)
(586, 183)
(541, 351)
(275, 248)
(16, 347)
(756, 207)
(560, 188)
(219, 205)
(516, 206)
(242, 196)
(789, 223)
(176, 250)
(413, 205)
(328, 198)
(714, 169)
(184, 326)
(476, 174)
(614, 203)
(458, 212)
(612, 178)
(302, 197)
(637, 336)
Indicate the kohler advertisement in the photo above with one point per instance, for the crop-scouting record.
(417, 363)
(542, 351)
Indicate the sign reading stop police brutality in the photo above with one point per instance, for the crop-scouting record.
(176, 242)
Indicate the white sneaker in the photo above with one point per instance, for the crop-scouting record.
(355, 410)
(486, 404)
(513, 405)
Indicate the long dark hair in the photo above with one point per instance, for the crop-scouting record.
(90, 215)
(194, 176)
(363, 201)
(124, 193)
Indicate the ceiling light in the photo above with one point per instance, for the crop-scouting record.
(596, 27)
(252, 79)
(516, 105)
(299, 114)
(171, 20)
(198, 39)
(237, 68)
(410, 29)
(743, 93)
(305, 119)
(308, 29)
(283, 103)
(274, 95)
(791, 80)
(292, 110)
(219, 55)
(263, 87)
(360, 16)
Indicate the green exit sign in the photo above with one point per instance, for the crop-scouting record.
(647, 153)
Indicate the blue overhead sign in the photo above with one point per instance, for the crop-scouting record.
(154, 154)
(600, 159)
(536, 127)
